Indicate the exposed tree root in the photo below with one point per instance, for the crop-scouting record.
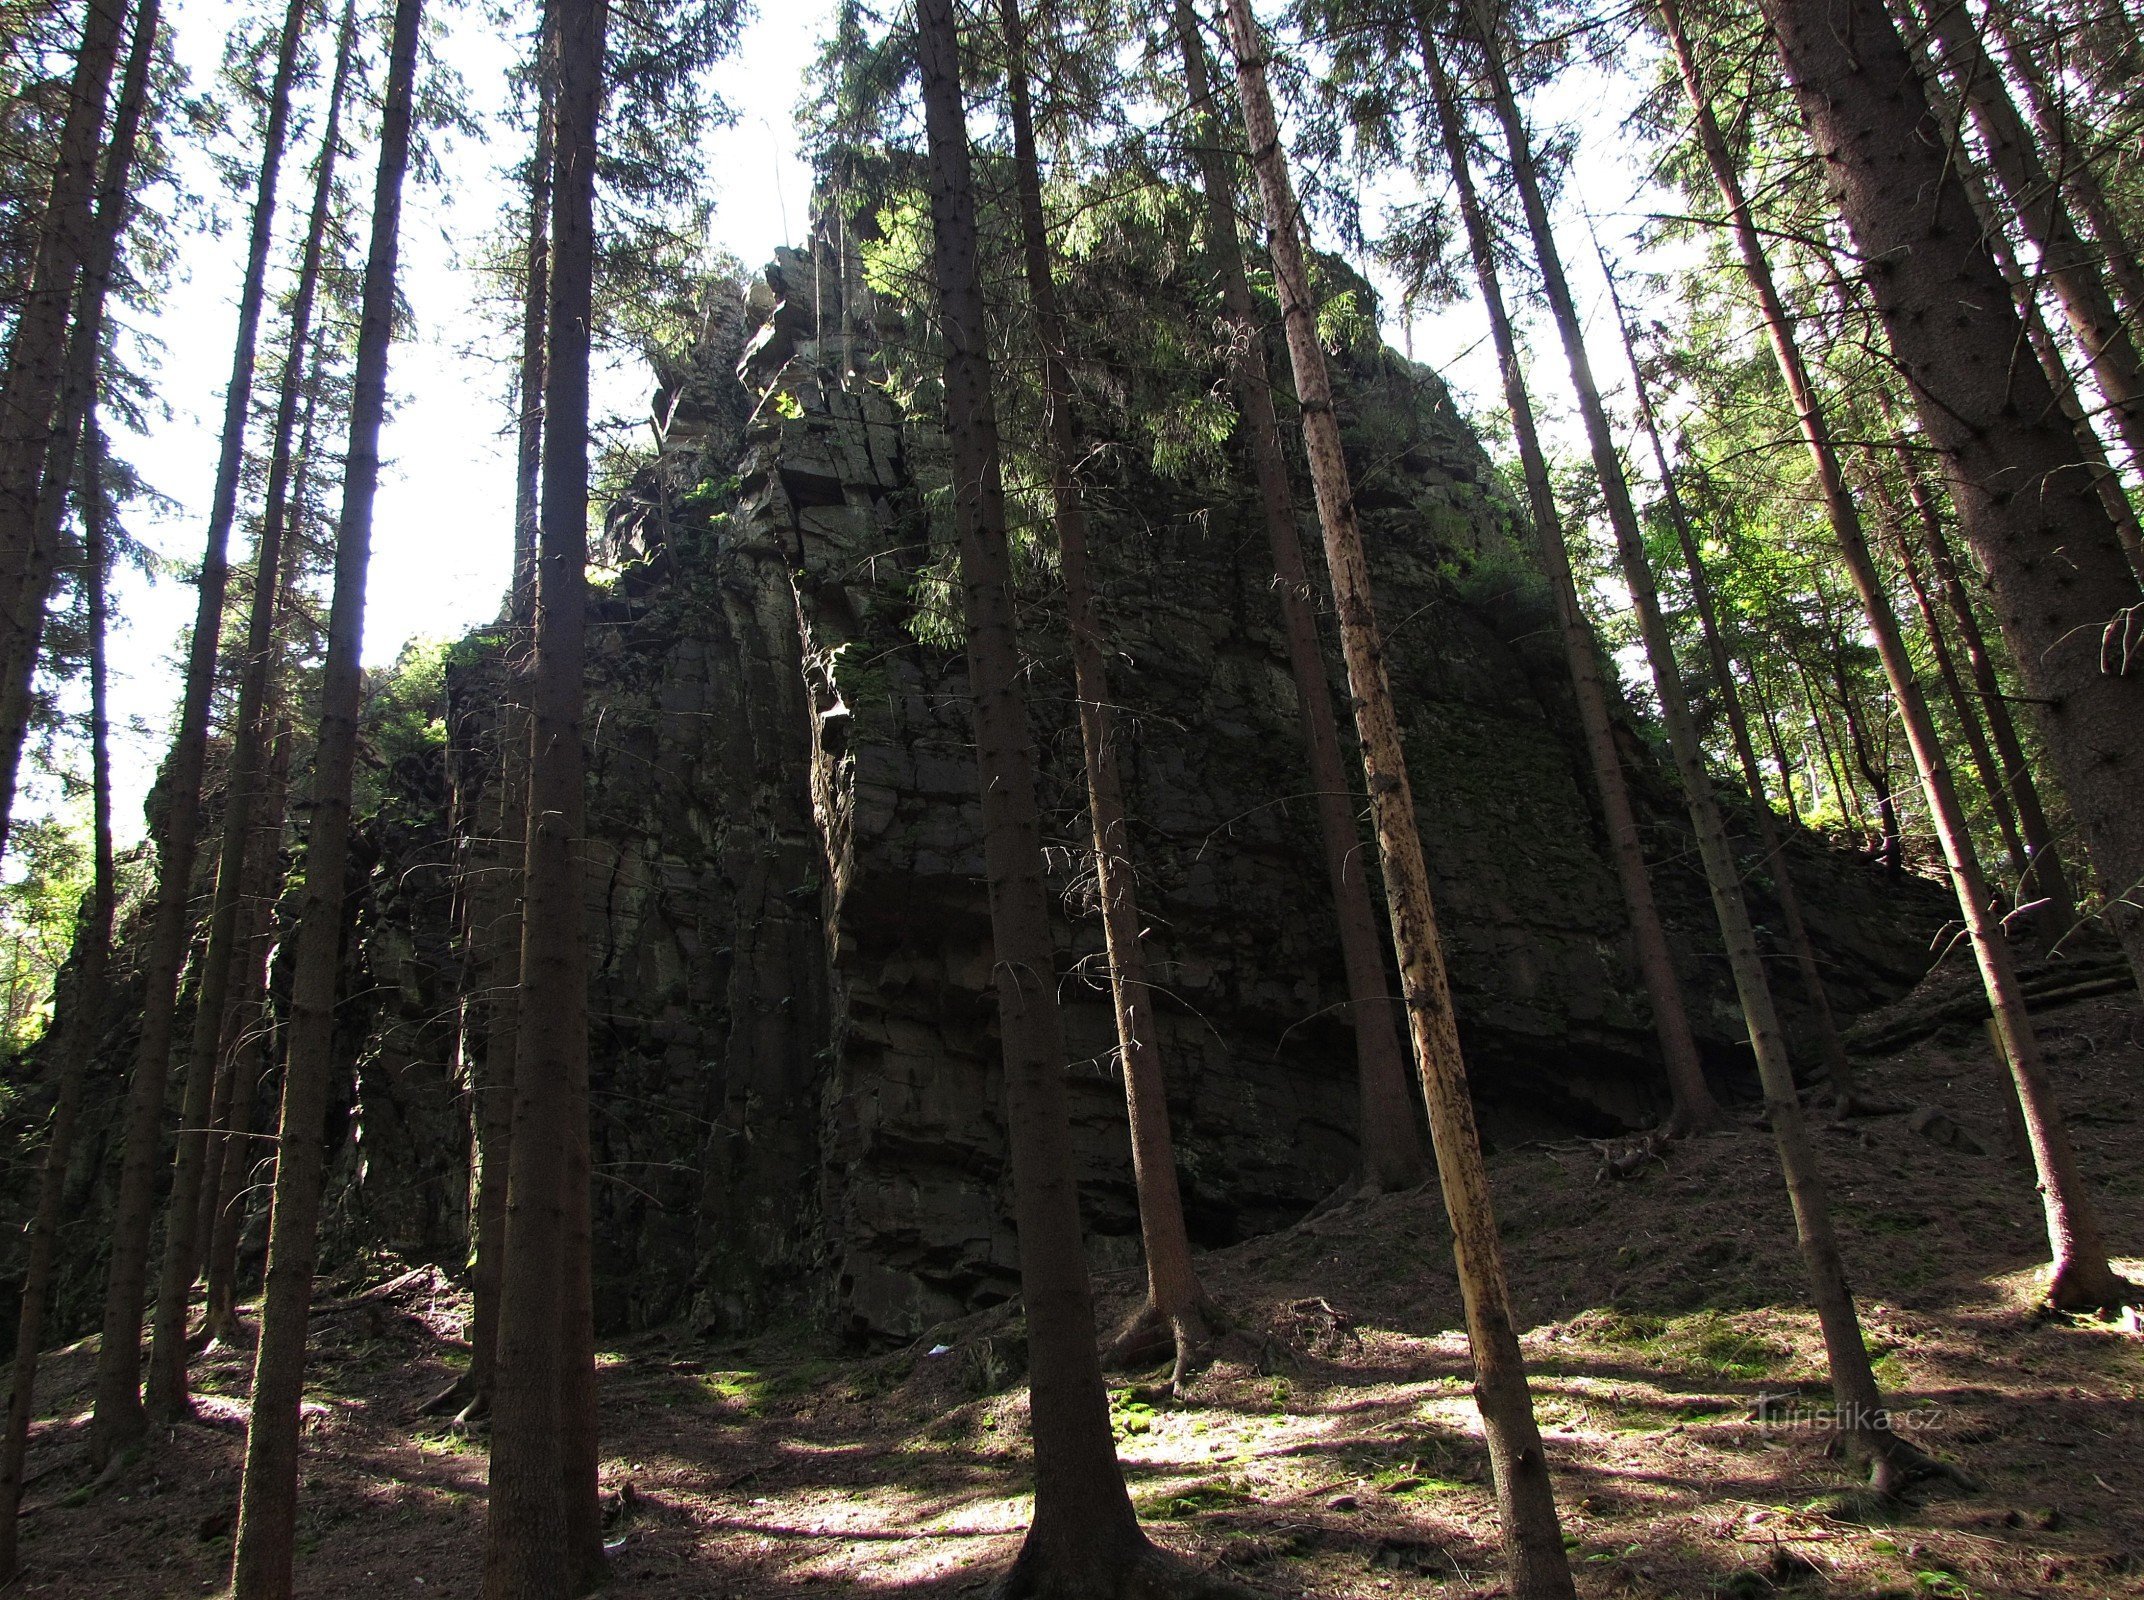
(1894, 1464)
(1148, 1336)
(1143, 1572)
(454, 1397)
(226, 1327)
(2097, 1288)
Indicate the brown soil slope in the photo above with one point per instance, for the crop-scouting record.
(1334, 1452)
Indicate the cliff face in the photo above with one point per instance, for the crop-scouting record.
(796, 1102)
(797, 1106)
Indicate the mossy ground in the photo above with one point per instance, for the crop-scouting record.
(1334, 1450)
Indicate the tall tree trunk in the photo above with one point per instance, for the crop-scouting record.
(1173, 1295)
(1084, 1538)
(2035, 201)
(2025, 291)
(544, 1536)
(1392, 1153)
(252, 729)
(2077, 171)
(225, 1215)
(1779, 760)
(502, 928)
(1970, 729)
(1533, 1542)
(37, 350)
(1864, 1425)
(1872, 764)
(1831, 1048)
(32, 594)
(2069, 604)
(265, 1545)
(85, 1020)
(2082, 1276)
(1695, 1109)
(118, 1418)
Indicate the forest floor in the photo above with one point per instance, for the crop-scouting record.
(1340, 1455)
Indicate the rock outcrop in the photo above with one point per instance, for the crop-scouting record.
(797, 1105)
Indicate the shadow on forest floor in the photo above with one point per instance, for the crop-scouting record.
(1342, 1459)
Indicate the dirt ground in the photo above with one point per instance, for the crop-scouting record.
(1337, 1452)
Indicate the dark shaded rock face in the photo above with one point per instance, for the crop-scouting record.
(797, 1106)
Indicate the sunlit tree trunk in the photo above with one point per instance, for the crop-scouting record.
(265, 1546)
(252, 730)
(1695, 1109)
(1392, 1152)
(1172, 1283)
(1864, 1425)
(2067, 600)
(1533, 1541)
(85, 1020)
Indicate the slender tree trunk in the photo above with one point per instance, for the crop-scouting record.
(85, 1020)
(20, 643)
(2081, 1276)
(1084, 1538)
(1863, 1424)
(2077, 172)
(1533, 1541)
(2035, 201)
(544, 1537)
(1970, 728)
(2069, 604)
(1830, 1046)
(1874, 770)
(265, 1546)
(37, 350)
(1392, 1153)
(503, 926)
(2025, 290)
(119, 1418)
(226, 1216)
(1779, 760)
(1172, 1283)
(251, 732)
(1695, 1109)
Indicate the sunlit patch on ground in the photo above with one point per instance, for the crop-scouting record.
(1335, 1449)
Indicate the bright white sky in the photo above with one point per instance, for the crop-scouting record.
(441, 536)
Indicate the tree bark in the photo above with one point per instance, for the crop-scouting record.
(252, 729)
(1831, 1048)
(1694, 1108)
(118, 1418)
(37, 350)
(2081, 1276)
(2077, 171)
(32, 594)
(1864, 1426)
(1085, 1539)
(2035, 202)
(544, 1535)
(85, 1019)
(2068, 603)
(1393, 1156)
(1533, 1541)
(264, 1549)
(1173, 1296)
(502, 923)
